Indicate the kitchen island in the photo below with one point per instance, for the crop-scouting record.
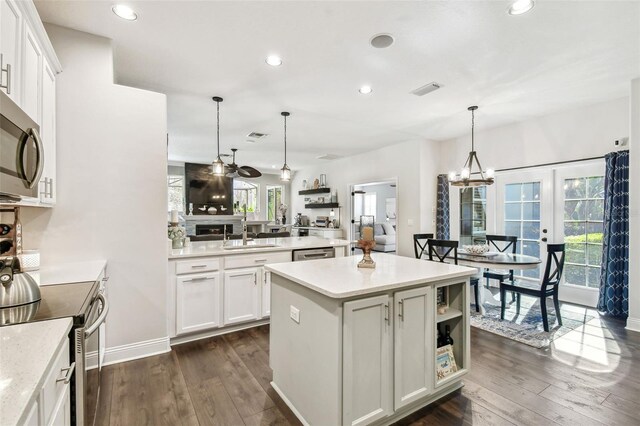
(216, 288)
(353, 346)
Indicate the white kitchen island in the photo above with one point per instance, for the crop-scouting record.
(353, 346)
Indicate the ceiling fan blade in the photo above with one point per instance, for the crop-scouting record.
(243, 173)
(252, 173)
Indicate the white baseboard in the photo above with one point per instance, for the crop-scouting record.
(136, 350)
(633, 324)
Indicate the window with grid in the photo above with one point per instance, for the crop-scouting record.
(274, 199)
(522, 219)
(473, 215)
(175, 184)
(583, 229)
(245, 194)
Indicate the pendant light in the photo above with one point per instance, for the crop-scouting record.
(464, 177)
(218, 165)
(285, 172)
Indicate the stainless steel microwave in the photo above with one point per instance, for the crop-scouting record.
(21, 153)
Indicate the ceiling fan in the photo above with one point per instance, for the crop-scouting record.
(233, 170)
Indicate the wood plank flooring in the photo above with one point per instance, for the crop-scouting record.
(590, 376)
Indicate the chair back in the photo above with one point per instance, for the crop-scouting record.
(555, 265)
(420, 244)
(503, 243)
(443, 250)
(273, 234)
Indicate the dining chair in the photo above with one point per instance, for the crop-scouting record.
(547, 288)
(448, 249)
(420, 244)
(503, 244)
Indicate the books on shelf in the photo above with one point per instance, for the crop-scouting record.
(445, 362)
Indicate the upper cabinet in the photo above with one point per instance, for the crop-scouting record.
(29, 69)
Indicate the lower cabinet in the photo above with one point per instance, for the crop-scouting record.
(241, 294)
(266, 294)
(198, 302)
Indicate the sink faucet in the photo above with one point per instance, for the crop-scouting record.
(244, 227)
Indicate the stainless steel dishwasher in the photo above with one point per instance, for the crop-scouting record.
(312, 254)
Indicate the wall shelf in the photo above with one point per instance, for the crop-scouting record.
(321, 206)
(314, 191)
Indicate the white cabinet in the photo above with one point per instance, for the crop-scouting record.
(266, 294)
(31, 75)
(48, 134)
(10, 47)
(198, 302)
(62, 412)
(413, 345)
(367, 360)
(241, 292)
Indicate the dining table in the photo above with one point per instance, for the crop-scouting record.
(495, 260)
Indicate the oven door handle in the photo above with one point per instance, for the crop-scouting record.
(101, 318)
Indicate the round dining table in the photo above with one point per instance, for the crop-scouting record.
(495, 260)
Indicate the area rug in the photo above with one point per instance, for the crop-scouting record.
(527, 327)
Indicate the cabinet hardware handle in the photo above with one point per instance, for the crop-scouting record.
(255, 279)
(67, 377)
(401, 310)
(386, 313)
(196, 279)
(260, 260)
(6, 70)
(198, 266)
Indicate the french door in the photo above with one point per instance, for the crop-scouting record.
(524, 208)
(579, 211)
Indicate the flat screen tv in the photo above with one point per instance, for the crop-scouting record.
(205, 190)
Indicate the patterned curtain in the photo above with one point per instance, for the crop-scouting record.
(442, 208)
(614, 272)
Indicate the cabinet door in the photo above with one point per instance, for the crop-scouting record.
(48, 134)
(198, 302)
(367, 361)
(10, 41)
(241, 295)
(31, 75)
(266, 294)
(62, 413)
(414, 345)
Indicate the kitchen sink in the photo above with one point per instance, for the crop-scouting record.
(249, 246)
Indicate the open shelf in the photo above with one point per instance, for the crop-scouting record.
(450, 314)
(314, 191)
(321, 206)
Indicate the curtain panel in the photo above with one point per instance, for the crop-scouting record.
(614, 271)
(442, 209)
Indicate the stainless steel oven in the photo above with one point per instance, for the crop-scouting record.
(89, 358)
(21, 153)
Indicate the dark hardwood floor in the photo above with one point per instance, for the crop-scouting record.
(590, 376)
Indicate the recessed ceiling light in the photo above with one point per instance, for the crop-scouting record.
(124, 12)
(365, 90)
(273, 166)
(518, 7)
(381, 41)
(274, 61)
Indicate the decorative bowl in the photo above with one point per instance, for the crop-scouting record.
(476, 249)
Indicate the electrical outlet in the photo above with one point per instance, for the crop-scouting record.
(294, 313)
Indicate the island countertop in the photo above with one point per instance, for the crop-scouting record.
(215, 248)
(340, 278)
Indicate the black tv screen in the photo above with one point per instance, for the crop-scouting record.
(203, 189)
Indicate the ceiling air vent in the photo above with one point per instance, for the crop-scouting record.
(329, 157)
(427, 88)
(257, 135)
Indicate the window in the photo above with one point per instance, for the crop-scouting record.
(583, 229)
(473, 215)
(369, 205)
(245, 194)
(175, 185)
(274, 199)
(522, 219)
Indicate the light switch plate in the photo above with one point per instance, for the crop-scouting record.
(294, 313)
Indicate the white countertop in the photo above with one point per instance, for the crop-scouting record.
(26, 353)
(72, 272)
(214, 248)
(340, 277)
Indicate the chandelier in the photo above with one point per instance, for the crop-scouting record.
(464, 178)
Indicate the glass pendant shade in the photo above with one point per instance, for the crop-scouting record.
(464, 178)
(285, 173)
(218, 167)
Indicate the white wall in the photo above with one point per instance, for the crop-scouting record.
(633, 322)
(413, 163)
(112, 197)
